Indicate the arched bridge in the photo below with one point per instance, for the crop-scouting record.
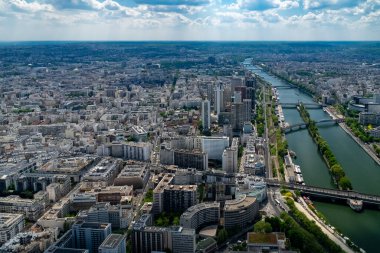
(306, 105)
(331, 194)
(300, 126)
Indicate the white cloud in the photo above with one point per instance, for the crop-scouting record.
(24, 6)
(220, 18)
(330, 4)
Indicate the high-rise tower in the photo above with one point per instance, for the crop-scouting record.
(206, 115)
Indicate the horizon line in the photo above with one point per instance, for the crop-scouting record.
(247, 41)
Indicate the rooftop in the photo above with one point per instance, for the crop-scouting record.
(7, 219)
(240, 203)
(112, 241)
(205, 243)
(102, 169)
(182, 187)
(93, 225)
(133, 170)
(262, 238)
(165, 180)
(66, 250)
(66, 165)
(196, 208)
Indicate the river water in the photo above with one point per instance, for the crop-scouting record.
(362, 228)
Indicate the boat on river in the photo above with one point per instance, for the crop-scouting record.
(355, 204)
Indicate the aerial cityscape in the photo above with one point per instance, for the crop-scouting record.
(193, 134)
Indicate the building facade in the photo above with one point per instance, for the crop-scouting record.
(206, 115)
(240, 212)
(201, 215)
(114, 243)
(10, 225)
(32, 209)
(90, 235)
(177, 198)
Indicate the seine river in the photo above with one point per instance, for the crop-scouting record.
(362, 228)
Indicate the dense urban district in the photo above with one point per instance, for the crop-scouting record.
(177, 146)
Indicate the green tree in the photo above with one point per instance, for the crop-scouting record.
(221, 236)
(149, 196)
(345, 183)
(337, 171)
(200, 126)
(176, 220)
(240, 151)
(262, 227)
(27, 194)
(275, 222)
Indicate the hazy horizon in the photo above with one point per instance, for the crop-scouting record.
(195, 41)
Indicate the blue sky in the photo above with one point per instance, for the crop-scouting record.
(189, 20)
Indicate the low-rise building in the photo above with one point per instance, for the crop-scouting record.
(55, 216)
(104, 172)
(139, 151)
(375, 132)
(369, 118)
(74, 167)
(136, 175)
(114, 243)
(207, 245)
(261, 242)
(30, 241)
(10, 225)
(9, 173)
(31, 208)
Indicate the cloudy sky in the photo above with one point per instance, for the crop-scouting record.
(189, 20)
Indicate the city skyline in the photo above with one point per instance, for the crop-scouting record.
(190, 20)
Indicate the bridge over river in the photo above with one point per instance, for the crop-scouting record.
(299, 126)
(331, 194)
(285, 87)
(306, 105)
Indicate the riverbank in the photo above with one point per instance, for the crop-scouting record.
(362, 228)
(364, 146)
(302, 207)
(301, 87)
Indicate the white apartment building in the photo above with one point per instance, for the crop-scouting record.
(10, 225)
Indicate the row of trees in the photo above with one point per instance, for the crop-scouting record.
(260, 120)
(359, 130)
(302, 233)
(282, 150)
(377, 149)
(336, 169)
(296, 218)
